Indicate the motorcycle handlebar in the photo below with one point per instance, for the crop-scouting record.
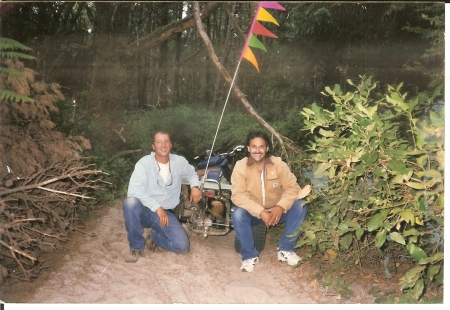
(206, 153)
(237, 148)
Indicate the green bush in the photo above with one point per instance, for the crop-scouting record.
(192, 130)
(382, 159)
(73, 118)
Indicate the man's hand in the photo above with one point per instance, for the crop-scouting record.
(265, 216)
(275, 215)
(271, 217)
(196, 194)
(163, 218)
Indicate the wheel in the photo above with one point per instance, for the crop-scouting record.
(259, 236)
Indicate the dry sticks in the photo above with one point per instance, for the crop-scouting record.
(38, 213)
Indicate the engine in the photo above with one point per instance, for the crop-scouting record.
(211, 216)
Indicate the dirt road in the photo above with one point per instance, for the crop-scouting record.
(92, 270)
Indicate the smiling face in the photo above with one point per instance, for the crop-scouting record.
(258, 149)
(162, 146)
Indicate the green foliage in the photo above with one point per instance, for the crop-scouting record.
(432, 29)
(192, 130)
(71, 119)
(291, 126)
(12, 96)
(9, 50)
(14, 55)
(342, 287)
(11, 72)
(383, 185)
(338, 22)
(119, 171)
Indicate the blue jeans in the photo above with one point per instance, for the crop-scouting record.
(243, 222)
(137, 217)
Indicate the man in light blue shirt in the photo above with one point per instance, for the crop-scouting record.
(153, 192)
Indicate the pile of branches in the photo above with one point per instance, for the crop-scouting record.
(44, 184)
(38, 213)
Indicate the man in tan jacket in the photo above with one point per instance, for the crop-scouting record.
(265, 190)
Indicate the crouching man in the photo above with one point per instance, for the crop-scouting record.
(153, 192)
(265, 191)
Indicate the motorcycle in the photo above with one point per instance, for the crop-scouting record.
(211, 216)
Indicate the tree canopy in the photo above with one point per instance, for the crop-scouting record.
(164, 61)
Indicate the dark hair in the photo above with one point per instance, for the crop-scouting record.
(259, 134)
(162, 132)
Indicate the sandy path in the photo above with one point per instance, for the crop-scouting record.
(93, 270)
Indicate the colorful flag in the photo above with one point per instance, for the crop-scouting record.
(258, 29)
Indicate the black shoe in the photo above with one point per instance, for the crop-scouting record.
(134, 256)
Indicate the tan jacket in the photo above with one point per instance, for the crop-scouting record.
(281, 185)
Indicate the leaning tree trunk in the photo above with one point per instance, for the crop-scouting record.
(284, 142)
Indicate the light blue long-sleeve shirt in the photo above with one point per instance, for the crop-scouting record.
(148, 186)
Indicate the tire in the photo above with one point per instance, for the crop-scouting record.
(259, 236)
(178, 211)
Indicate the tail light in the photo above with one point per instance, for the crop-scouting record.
(210, 194)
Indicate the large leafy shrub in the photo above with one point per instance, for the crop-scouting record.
(382, 159)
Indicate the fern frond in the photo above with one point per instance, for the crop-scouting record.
(9, 44)
(14, 55)
(12, 96)
(12, 72)
(6, 43)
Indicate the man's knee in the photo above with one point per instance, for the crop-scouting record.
(181, 246)
(299, 209)
(237, 215)
(183, 250)
(131, 203)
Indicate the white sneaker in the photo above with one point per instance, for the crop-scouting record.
(249, 264)
(290, 257)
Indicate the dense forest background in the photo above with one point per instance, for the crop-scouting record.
(115, 58)
(125, 69)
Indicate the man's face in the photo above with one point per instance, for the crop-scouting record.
(161, 144)
(257, 149)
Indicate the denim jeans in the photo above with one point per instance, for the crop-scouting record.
(137, 217)
(243, 222)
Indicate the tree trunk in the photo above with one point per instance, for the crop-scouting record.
(109, 84)
(161, 34)
(284, 142)
(226, 51)
(114, 84)
(176, 91)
